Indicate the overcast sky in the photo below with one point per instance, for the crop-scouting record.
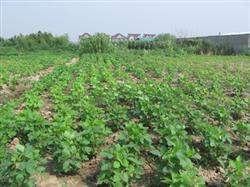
(182, 18)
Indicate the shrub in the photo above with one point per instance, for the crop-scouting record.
(99, 43)
(201, 46)
(138, 44)
(165, 41)
(38, 41)
(8, 51)
(248, 52)
(162, 41)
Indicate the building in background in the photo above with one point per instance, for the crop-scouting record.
(118, 37)
(149, 36)
(133, 36)
(85, 35)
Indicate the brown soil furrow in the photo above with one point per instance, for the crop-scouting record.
(7, 93)
(46, 110)
(73, 61)
(23, 85)
(212, 177)
(87, 174)
(39, 74)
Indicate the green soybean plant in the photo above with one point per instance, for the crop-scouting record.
(237, 173)
(19, 166)
(120, 166)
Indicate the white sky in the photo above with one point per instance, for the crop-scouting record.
(180, 17)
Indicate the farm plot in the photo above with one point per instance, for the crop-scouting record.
(132, 119)
(17, 72)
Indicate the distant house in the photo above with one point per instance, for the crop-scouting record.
(85, 35)
(118, 37)
(148, 36)
(134, 36)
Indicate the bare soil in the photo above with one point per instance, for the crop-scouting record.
(13, 143)
(46, 110)
(24, 83)
(86, 176)
(7, 93)
(20, 108)
(212, 177)
(73, 61)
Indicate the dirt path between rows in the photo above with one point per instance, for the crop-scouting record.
(87, 174)
(73, 61)
(45, 72)
(23, 85)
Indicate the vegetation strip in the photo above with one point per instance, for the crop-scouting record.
(23, 84)
(130, 117)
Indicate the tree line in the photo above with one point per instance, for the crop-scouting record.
(100, 42)
(37, 41)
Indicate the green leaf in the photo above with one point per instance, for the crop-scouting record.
(20, 148)
(66, 166)
(29, 168)
(197, 156)
(125, 177)
(19, 178)
(105, 166)
(106, 154)
(116, 164)
(118, 184)
(31, 182)
(156, 152)
(124, 162)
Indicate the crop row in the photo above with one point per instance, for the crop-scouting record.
(12, 67)
(174, 116)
